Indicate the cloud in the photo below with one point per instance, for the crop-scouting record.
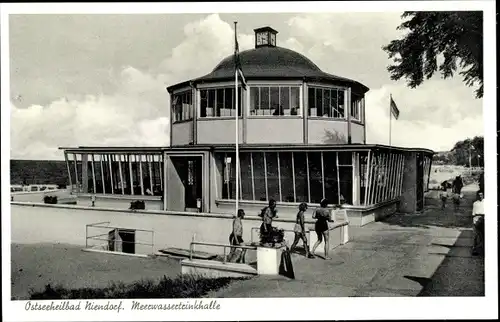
(435, 115)
(134, 111)
(128, 118)
(439, 126)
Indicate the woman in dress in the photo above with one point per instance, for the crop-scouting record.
(300, 231)
(322, 216)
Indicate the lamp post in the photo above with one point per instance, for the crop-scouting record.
(471, 147)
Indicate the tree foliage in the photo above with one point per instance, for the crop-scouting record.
(460, 153)
(456, 37)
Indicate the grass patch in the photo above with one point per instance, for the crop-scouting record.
(184, 286)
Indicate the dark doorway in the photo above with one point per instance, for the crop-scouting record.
(127, 244)
(420, 181)
(190, 170)
(128, 240)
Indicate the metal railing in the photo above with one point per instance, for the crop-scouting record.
(224, 246)
(105, 239)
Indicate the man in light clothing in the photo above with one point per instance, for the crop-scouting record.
(478, 224)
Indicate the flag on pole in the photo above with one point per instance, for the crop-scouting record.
(237, 61)
(394, 109)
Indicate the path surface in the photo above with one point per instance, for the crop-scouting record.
(407, 255)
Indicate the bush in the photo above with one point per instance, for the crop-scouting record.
(184, 286)
(276, 236)
(50, 200)
(138, 204)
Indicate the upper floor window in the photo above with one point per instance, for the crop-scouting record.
(182, 106)
(326, 102)
(275, 100)
(219, 102)
(357, 107)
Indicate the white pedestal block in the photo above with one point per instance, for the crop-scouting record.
(268, 260)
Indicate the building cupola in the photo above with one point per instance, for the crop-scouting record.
(265, 36)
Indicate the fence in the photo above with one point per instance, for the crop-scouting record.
(102, 237)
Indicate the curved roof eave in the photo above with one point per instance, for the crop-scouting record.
(207, 79)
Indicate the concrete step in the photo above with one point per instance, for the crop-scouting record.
(212, 268)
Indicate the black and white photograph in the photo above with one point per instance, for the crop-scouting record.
(249, 161)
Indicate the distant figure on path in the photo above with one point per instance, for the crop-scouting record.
(458, 184)
(322, 216)
(236, 236)
(268, 214)
(443, 195)
(300, 231)
(478, 224)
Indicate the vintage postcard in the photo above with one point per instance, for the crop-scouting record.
(249, 161)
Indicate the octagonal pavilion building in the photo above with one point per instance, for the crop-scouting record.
(302, 138)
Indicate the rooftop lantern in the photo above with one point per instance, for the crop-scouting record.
(265, 36)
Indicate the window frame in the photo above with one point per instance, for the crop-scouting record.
(191, 110)
(323, 87)
(300, 112)
(242, 99)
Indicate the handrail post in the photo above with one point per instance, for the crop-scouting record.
(224, 259)
(191, 251)
(86, 235)
(152, 241)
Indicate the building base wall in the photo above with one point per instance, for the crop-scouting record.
(43, 223)
(359, 218)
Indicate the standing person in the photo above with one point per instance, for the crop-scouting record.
(300, 231)
(236, 236)
(458, 184)
(478, 224)
(322, 216)
(443, 195)
(268, 214)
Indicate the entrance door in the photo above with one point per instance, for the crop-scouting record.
(193, 182)
(187, 181)
(420, 181)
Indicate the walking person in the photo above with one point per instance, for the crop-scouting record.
(236, 237)
(478, 224)
(322, 216)
(300, 231)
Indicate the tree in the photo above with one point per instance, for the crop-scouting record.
(457, 37)
(473, 148)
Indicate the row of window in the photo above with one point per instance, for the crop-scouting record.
(268, 101)
(275, 100)
(122, 174)
(312, 176)
(384, 177)
(290, 176)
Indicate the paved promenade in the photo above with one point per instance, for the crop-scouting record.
(426, 254)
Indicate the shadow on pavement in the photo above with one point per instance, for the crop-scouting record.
(459, 274)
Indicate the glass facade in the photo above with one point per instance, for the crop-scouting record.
(117, 174)
(312, 176)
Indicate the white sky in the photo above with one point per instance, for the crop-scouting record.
(100, 79)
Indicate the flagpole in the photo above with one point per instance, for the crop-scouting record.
(236, 128)
(390, 120)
